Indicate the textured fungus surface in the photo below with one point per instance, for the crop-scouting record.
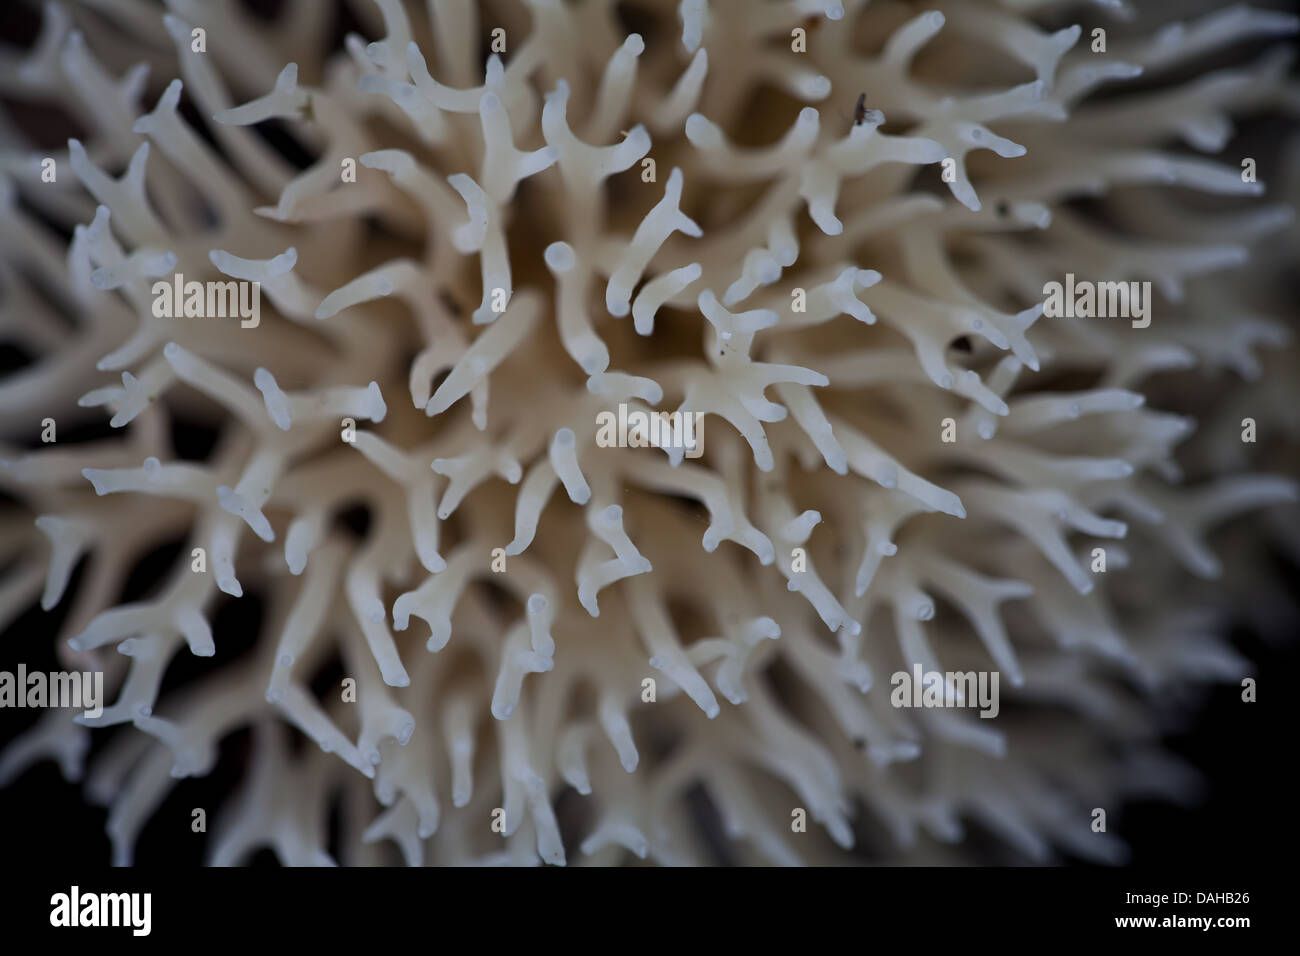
(439, 335)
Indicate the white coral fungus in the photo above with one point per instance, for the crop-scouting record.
(905, 463)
